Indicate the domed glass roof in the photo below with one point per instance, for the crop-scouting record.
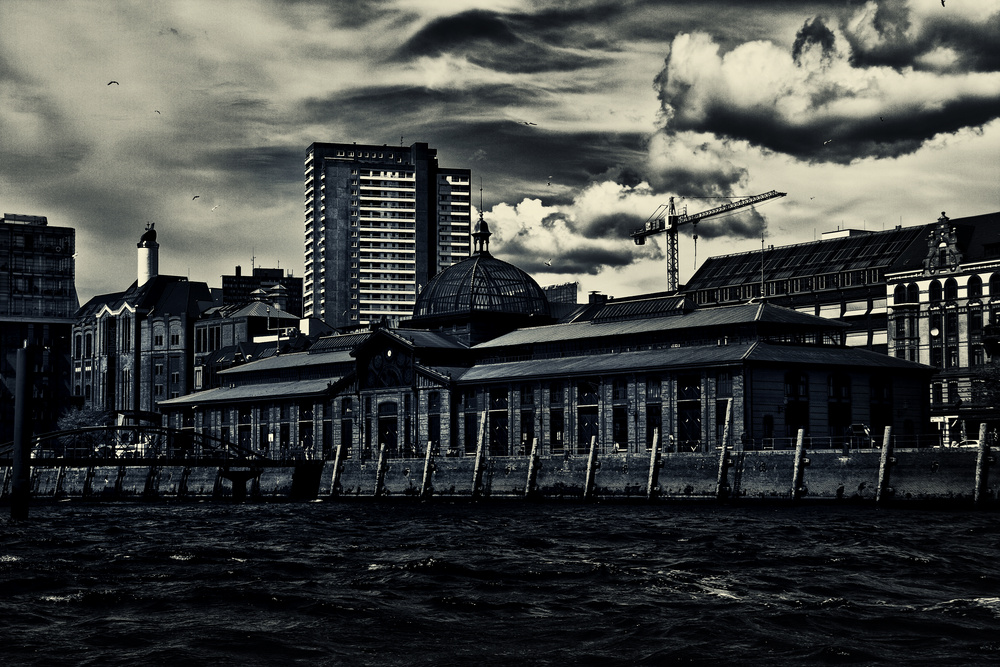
(481, 284)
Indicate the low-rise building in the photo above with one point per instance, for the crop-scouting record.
(482, 355)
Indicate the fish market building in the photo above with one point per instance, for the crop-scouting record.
(482, 356)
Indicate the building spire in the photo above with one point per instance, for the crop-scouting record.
(481, 231)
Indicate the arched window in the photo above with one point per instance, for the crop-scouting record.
(899, 294)
(974, 290)
(995, 287)
(950, 289)
(912, 293)
(934, 292)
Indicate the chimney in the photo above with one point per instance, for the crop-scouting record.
(239, 270)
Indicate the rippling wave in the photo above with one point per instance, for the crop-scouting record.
(384, 583)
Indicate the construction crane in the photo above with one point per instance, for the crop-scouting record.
(658, 222)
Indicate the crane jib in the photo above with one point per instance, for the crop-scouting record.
(658, 223)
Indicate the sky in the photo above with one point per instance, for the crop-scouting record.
(578, 120)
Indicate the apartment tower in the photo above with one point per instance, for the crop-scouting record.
(380, 221)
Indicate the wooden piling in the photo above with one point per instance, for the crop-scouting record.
(982, 468)
(798, 472)
(653, 483)
(884, 491)
(338, 464)
(588, 482)
(477, 472)
(21, 455)
(380, 472)
(530, 485)
(425, 484)
(722, 479)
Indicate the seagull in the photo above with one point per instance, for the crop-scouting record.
(195, 197)
(881, 119)
(527, 122)
(157, 111)
(550, 181)
(827, 141)
(548, 263)
(942, 3)
(113, 82)
(215, 207)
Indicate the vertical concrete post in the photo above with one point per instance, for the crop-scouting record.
(800, 462)
(653, 483)
(425, 484)
(380, 471)
(477, 471)
(338, 463)
(529, 487)
(982, 468)
(883, 491)
(588, 482)
(21, 458)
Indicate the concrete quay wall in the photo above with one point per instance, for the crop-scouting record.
(968, 476)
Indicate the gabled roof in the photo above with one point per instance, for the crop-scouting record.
(160, 295)
(253, 309)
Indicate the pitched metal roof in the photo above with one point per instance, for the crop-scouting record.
(683, 357)
(254, 392)
(697, 319)
(292, 360)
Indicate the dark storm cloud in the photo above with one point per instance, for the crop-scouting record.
(740, 225)
(583, 260)
(975, 44)
(487, 40)
(813, 32)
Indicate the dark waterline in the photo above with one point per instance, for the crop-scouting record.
(373, 583)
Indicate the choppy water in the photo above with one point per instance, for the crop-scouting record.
(501, 583)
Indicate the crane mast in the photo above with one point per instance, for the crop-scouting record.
(665, 219)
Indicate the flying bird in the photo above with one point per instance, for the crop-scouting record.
(113, 82)
(215, 207)
(548, 263)
(827, 141)
(527, 122)
(195, 197)
(157, 111)
(942, 3)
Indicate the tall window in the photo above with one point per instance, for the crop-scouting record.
(796, 403)
(974, 288)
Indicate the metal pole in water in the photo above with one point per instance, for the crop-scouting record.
(20, 489)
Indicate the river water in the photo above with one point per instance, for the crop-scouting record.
(499, 583)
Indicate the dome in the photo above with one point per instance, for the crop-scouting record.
(481, 284)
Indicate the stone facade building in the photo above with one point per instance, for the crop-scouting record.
(135, 348)
(483, 355)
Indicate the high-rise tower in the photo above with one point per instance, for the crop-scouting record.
(380, 221)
